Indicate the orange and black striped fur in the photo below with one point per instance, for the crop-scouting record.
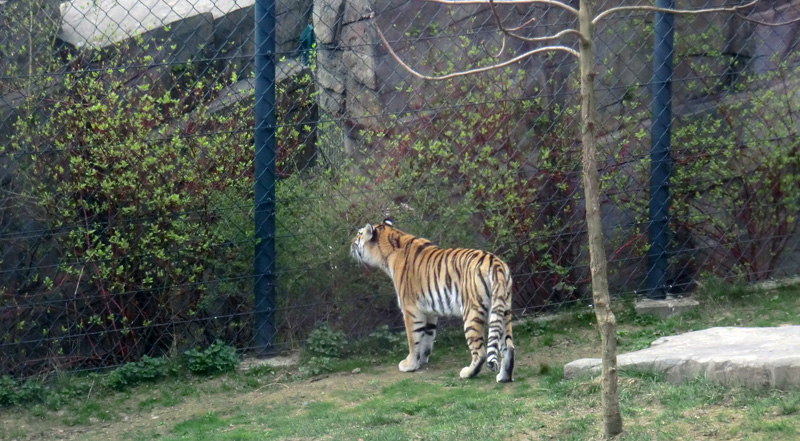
(432, 282)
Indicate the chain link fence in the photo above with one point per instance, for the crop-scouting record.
(126, 162)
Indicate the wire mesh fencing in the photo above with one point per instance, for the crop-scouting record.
(126, 162)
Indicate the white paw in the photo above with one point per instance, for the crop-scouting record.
(405, 366)
(465, 372)
(503, 378)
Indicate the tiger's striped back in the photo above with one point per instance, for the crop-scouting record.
(432, 282)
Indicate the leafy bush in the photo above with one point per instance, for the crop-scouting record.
(323, 346)
(134, 171)
(146, 175)
(316, 366)
(319, 281)
(215, 359)
(14, 393)
(325, 342)
(738, 184)
(735, 182)
(130, 374)
(380, 341)
(8, 391)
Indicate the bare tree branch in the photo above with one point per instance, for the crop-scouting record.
(522, 25)
(500, 26)
(502, 47)
(470, 71)
(555, 3)
(554, 36)
(512, 34)
(734, 9)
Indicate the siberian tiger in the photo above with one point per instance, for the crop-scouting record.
(432, 282)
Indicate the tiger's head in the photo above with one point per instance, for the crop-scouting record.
(365, 247)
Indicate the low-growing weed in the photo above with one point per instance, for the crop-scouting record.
(323, 347)
(381, 341)
(215, 359)
(325, 342)
(14, 393)
(129, 374)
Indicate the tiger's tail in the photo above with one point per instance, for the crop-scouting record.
(500, 339)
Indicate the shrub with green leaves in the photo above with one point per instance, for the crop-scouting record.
(144, 174)
(381, 341)
(513, 196)
(324, 345)
(735, 182)
(13, 392)
(136, 178)
(215, 359)
(325, 342)
(131, 374)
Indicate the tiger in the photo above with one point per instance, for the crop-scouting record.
(431, 282)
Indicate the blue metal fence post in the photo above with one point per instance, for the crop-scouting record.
(660, 161)
(264, 169)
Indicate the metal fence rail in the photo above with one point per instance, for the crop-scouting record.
(128, 132)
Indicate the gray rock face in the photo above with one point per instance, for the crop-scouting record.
(234, 42)
(752, 357)
(326, 19)
(101, 23)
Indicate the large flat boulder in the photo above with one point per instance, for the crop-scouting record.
(752, 357)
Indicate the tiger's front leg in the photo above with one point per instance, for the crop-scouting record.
(415, 332)
(428, 338)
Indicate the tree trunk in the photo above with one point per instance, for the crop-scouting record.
(612, 419)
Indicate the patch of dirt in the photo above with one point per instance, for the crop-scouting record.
(280, 361)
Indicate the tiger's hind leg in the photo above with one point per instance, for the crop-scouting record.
(507, 364)
(473, 330)
(428, 338)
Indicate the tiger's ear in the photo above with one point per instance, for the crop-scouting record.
(369, 232)
(388, 222)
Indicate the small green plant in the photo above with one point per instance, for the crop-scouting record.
(325, 342)
(316, 366)
(789, 405)
(130, 374)
(324, 345)
(13, 393)
(215, 359)
(533, 328)
(381, 341)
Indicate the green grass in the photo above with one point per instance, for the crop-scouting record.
(88, 412)
(382, 404)
(394, 412)
(546, 406)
